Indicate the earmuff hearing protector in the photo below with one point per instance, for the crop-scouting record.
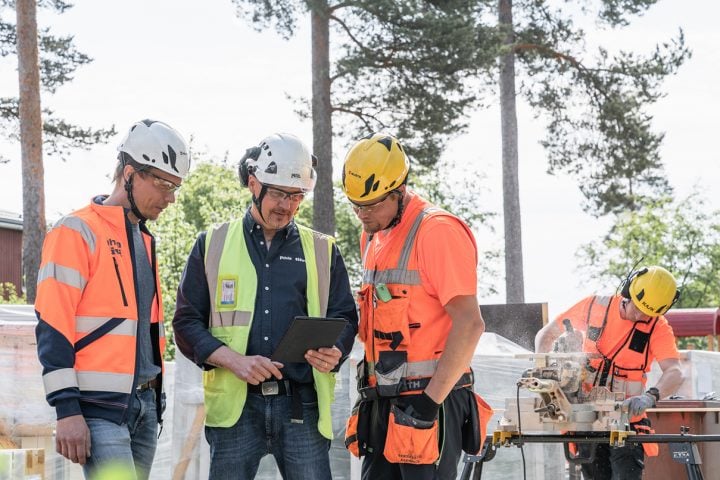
(625, 291)
(244, 170)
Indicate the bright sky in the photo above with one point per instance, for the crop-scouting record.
(211, 76)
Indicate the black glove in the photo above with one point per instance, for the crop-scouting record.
(422, 407)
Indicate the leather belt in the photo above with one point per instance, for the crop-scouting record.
(467, 379)
(147, 385)
(283, 387)
(277, 387)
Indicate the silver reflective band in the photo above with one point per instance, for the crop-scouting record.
(75, 223)
(68, 276)
(60, 379)
(88, 324)
(105, 381)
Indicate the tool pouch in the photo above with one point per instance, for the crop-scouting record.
(411, 440)
(357, 428)
(642, 427)
(474, 428)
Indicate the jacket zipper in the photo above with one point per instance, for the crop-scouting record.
(122, 289)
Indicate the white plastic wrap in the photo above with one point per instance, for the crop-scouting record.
(26, 419)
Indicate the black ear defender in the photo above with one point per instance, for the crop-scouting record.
(244, 170)
(663, 311)
(625, 291)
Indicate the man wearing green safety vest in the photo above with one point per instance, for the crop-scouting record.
(243, 284)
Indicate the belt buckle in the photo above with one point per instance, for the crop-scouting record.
(269, 388)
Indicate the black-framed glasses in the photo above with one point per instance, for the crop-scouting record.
(162, 183)
(279, 195)
(370, 207)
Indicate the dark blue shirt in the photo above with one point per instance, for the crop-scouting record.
(281, 295)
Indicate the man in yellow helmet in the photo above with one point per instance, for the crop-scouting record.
(419, 323)
(629, 331)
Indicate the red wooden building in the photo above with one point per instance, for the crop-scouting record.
(11, 227)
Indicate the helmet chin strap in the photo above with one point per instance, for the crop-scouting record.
(258, 201)
(133, 206)
(398, 216)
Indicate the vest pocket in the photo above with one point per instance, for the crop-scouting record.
(390, 321)
(410, 440)
(390, 372)
(364, 305)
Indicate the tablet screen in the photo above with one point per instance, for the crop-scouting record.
(306, 333)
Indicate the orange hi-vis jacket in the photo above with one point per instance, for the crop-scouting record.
(87, 313)
(627, 349)
(403, 322)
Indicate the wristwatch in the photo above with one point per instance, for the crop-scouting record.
(655, 393)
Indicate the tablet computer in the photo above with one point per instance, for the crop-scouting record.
(307, 333)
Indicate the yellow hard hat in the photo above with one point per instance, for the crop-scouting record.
(653, 290)
(374, 166)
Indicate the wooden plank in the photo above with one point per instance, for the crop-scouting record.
(6, 442)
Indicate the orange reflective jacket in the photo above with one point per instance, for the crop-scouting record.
(627, 349)
(403, 326)
(87, 313)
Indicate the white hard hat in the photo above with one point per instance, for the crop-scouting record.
(283, 160)
(158, 145)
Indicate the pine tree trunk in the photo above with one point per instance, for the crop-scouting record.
(514, 283)
(31, 144)
(323, 206)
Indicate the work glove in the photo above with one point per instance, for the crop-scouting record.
(422, 407)
(639, 403)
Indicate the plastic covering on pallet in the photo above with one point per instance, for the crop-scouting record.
(26, 420)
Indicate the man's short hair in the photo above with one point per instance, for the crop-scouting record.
(122, 160)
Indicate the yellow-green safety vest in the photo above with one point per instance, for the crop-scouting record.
(232, 283)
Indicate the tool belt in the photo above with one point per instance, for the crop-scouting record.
(412, 440)
(395, 383)
(147, 385)
(283, 387)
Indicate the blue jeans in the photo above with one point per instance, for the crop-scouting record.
(264, 428)
(130, 446)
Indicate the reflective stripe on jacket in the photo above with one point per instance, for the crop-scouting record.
(232, 285)
(399, 349)
(87, 313)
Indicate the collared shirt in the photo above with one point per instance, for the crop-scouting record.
(281, 286)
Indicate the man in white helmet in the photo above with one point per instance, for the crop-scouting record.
(243, 284)
(100, 334)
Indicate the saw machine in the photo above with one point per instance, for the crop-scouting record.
(560, 404)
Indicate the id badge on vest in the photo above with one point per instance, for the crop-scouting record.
(228, 291)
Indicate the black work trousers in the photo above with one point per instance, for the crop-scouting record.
(616, 463)
(454, 411)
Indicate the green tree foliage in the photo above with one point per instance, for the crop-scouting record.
(678, 235)
(599, 130)
(211, 194)
(410, 67)
(9, 294)
(58, 61)
(401, 66)
(397, 65)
